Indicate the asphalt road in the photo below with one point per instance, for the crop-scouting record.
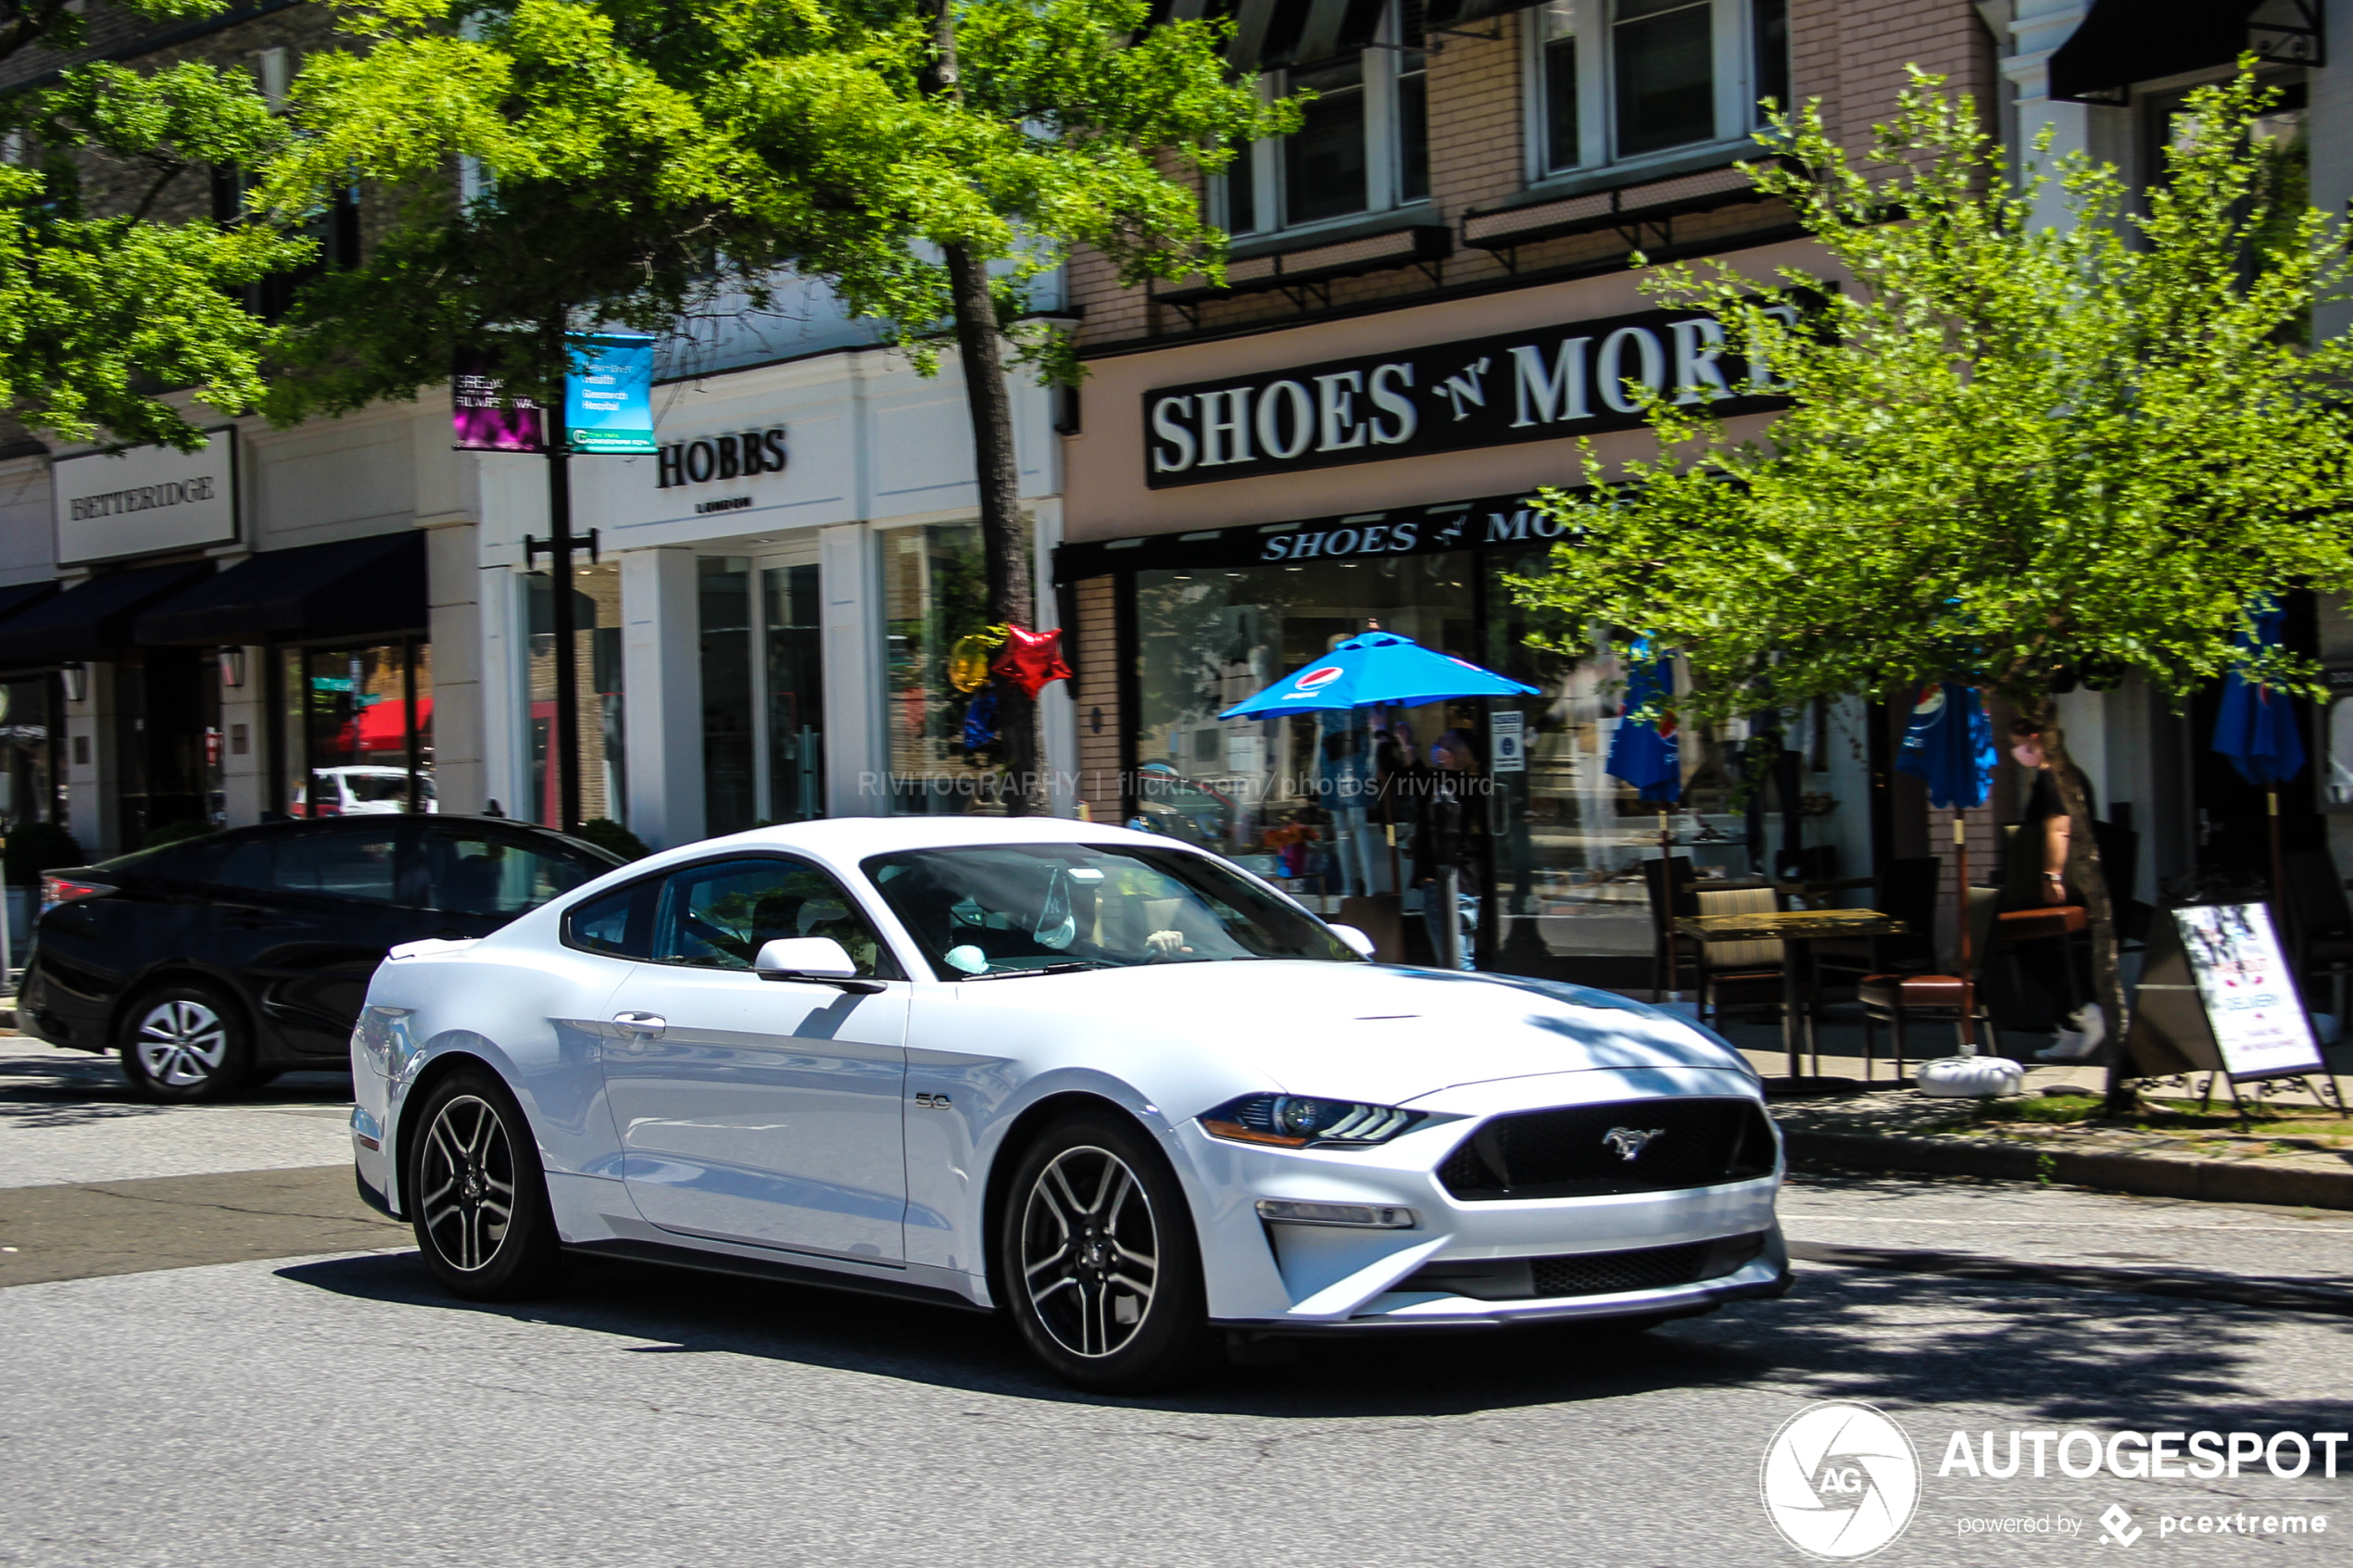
(229, 1405)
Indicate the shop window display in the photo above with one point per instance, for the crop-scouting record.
(27, 753)
(356, 730)
(1776, 794)
(1308, 797)
(935, 594)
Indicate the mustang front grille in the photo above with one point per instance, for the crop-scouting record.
(1587, 1274)
(1627, 1145)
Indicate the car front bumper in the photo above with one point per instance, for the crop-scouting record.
(1298, 1278)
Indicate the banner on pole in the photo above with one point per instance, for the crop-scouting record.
(483, 419)
(609, 397)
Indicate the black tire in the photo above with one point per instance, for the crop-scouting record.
(476, 1196)
(185, 1043)
(1099, 1262)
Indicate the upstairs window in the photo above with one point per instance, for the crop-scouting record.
(1616, 81)
(1364, 146)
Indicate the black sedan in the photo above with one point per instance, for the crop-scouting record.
(220, 961)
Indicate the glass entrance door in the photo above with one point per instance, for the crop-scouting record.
(762, 691)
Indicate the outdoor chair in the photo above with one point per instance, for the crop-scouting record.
(1741, 974)
(1898, 998)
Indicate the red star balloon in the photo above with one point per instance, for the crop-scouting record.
(1031, 658)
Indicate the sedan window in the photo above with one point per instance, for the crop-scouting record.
(484, 873)
(348, 865)
(719, 915)
(1027, 909)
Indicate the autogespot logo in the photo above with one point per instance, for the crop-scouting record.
(1841, 1481)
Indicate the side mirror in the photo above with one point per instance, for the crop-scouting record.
(814, 959)
(1355, 938)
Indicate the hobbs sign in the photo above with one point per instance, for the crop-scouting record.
(1487, 391)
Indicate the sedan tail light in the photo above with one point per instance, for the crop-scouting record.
(57, 890)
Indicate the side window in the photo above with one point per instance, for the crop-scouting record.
(619, 924)
(720, 914)
(483, 873)
(345, 864)
(251, 862)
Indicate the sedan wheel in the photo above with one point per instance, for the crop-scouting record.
(1098, 1262)
(185, 1044)
(475, 1195)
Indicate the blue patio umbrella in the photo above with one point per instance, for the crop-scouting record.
(2256, 726)
(1950, 744)
(1377, 669)
(1645, 752)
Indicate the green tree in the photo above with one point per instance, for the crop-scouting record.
(2015, 455)
(104, 303)
(648, 161)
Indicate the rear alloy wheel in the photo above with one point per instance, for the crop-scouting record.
(476, 1194)
(186, 1043)
(1099, 1262)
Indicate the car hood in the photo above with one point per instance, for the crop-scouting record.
(1373, 1032)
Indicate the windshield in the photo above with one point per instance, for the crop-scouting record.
(1029, 908)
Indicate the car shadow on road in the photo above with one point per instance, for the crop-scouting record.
(66, 1088)
(2063, 1355)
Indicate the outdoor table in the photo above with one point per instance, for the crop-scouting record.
(1793, 929)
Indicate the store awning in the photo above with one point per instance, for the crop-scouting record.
(2122, 42)
(92, 618)
(24, 595)
(1272, 33)
(352, 588)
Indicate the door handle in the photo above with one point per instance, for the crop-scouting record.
(641, 1022)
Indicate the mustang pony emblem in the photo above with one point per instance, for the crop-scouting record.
(1629, 1141)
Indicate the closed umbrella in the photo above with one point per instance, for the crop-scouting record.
(1950, 744)
(1644, 753)
(2257, 729)
(1379, 670)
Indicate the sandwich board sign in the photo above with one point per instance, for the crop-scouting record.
(2218, 996)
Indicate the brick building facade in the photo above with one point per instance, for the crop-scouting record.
(1560, 139)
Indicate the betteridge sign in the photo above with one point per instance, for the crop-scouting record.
(1541, 385)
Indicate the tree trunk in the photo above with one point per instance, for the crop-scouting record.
(1003, 543)
(2083, 869)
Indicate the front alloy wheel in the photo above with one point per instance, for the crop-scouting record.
(1091, 1252)
(1097, 1259)
(474, 1192)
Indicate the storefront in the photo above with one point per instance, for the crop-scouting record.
(1239, 508)
(762, 635)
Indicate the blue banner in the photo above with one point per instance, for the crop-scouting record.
(609, 397)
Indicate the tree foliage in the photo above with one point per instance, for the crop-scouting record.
(2017, 454)
(103, 303)
(648, 161)
(2014, 454)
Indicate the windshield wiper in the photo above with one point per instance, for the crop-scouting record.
(1070, 967)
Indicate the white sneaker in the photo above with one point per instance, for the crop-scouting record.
(2092, 1023)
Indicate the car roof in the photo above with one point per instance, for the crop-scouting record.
(846, 840)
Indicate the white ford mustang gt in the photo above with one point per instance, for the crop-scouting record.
(1108, 1083)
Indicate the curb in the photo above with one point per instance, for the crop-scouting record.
(2211, 1180)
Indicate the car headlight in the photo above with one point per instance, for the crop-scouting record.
(1297, 1122)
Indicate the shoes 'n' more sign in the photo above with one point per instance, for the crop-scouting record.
(1574, 378)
